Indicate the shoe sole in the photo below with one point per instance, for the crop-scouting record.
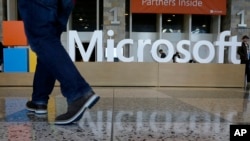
(89, 104)
(36, 111)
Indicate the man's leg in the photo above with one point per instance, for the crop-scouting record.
(43, 85)
(41, 25)
(77, 107)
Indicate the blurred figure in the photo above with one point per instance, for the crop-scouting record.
(1, 56)
(177, 54)
(1, 53)
(244, 52)
(162, 54)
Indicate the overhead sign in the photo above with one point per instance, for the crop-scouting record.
(209, 7)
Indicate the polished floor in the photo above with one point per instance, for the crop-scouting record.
(130, 114)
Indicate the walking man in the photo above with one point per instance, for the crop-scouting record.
(44, 22)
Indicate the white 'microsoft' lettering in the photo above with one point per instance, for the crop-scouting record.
(216, 49)
(95, 40)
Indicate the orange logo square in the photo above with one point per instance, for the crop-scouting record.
(14, 34)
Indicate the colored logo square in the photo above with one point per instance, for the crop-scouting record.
(13, 33)
(15, 60)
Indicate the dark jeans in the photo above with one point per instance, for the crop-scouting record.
(44, 22)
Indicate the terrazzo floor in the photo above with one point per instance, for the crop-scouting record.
(130, 114)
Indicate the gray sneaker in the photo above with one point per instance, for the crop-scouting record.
(76, 109)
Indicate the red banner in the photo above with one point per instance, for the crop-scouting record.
(205, 7)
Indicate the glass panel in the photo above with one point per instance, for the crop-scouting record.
(144, 22)
(201, 23)
(127, 12)
(172, 23)
(84, 16)
(100, 14)
(4, 9)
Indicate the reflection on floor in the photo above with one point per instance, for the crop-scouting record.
(130, 114)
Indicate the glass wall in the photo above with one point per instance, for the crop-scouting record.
(172, 23)
(84, 15)
(4, 10)
(127, 14)
(201, 24)
(144, 23)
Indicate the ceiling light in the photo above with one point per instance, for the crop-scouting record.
(80, 19)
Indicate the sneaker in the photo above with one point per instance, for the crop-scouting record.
(37, 108)
(77, 108)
